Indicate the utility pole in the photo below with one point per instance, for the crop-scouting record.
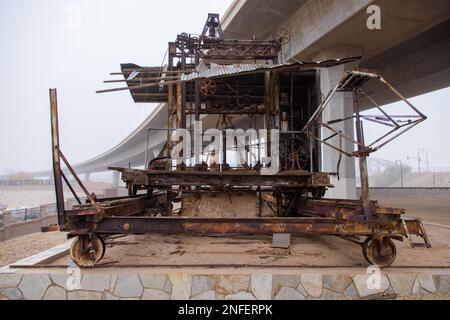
(401, 171)
(424, 151)
(418, 159)
(421, 160)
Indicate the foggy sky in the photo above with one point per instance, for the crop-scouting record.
(74, 45)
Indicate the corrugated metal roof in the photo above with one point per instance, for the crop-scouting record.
(223, 70)
(235, 69)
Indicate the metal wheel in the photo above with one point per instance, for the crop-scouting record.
(87, 252)
(381, 253)
(318, 193)
(282, 36)
(208, 87)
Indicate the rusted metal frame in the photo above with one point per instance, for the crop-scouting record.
(342, 135)
(179, 103)
(409, 127)
(291, 111)
(336, 210)
(320, 109)
(260, 202)
(74, 174)
(141, 80)
(424, 117)
(146, 149)
(410, 124)
(144, 86)
(70, 187)
(134, 207)
(57, 173)
(171, 225)
(170, 101)
(231, 111)
(169, 120)
(236, 180)
(242, 43)
(147, 71)
(233, 50)
(397, 135)
(363, 171)
(268, 108)
(339, 120)
(330, 145)
(330, 137)
(377, 121)
(378, 107)
(276, 100)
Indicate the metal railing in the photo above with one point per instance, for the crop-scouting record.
(29, 214)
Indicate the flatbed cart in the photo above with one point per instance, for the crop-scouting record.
(244, 85)
(294, 196)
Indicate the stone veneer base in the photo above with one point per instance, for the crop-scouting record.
(220, 284)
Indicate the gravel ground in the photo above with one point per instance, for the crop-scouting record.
(25, 246)
(437, 296)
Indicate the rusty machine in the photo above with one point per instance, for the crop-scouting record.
(227, 84)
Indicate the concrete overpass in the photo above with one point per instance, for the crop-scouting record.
(411, 50)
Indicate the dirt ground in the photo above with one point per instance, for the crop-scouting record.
(23, 247)
(322, 251)
(430, 205)
(305, 251)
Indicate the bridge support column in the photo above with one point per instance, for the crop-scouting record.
(340, 106)
(115, 179)
(87, 176)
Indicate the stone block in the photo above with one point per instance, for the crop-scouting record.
(109, 296)
(402, 283)
(33, 286)
(128, 286)
(288, 293)
(368, 284)
(11, 293)
(55, 293)
(95, 282)
(154, 294)
(157, 282)
(313, 284)
(229, 284)
(181, 286)
(337, 283)
(8, 280)
(427, 282)
(207, 295)
(351, 292)
(331, 295)
(261, 286)
(242, 295)
(84, 295)
(201, 284)
(444, 284)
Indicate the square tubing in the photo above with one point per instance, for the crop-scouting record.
(268, 107)
(57, 173)
(363, 172)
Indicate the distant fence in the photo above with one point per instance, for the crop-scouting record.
(27, 182)
(407, 188)
(18, 222)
